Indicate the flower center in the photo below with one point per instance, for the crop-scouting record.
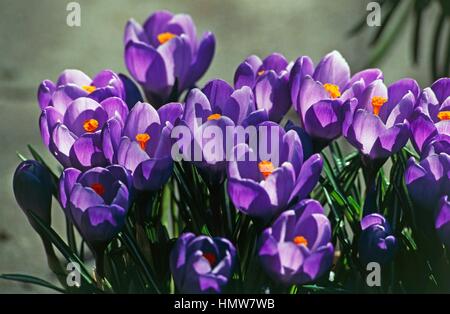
(214, 116)
(90, 125)
(377, 103)
(266, 168)
(165, 37)
(333, 90)
(444, 115)
(211, 258)
(142, 139)
(98, 188)
(89, 88)
(299, 240)
(261, 72)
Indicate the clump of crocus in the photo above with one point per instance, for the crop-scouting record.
(97, 202)
(216, 107)
(165, 56)
(319, 94)
(377, 125)
(376, 244)
(145, 147)
(431, 118)
(261, 187)
(202, 264)
(269, 79)
(296, 249)
(32, 184)
(72, 132)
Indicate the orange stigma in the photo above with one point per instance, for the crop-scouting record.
(98, 188)
(377, 103)
(299, 240)
(214, 116)
(210, 257)
(90, 125)
(89, 88)
(165, 37)
(142, 139)
(444, 115)
(333, 90)
(261, 72)
(266, 168)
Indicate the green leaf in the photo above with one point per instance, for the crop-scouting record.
(137, 255)
(49, 234)
(32, 280)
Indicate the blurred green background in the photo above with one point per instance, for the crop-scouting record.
(36, 44)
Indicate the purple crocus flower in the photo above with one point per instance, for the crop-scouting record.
(261, 187)
(202, 264)
(219, 106)
(145, 147)
(431, 117)
(377, 125)
(427, 182)
(32, 186)
(442, 223)
(319, 94)
(73, 84)
(164, 55)
(439, 144)
(96, 201)
(376, 244)
(72, 131)
(269, 79)
(296, 249)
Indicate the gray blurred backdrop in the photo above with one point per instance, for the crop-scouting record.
(36, 44)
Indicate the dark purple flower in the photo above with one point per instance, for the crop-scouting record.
(164, 55)
(320, 94)
(219, 106)
(202, 264)
(428, 181)
(72, 131)
(377, 125)
(96, 201)
(145, 147)
(262, 186)
(296, 249)
(32, 186)
(376, 244)
(431, 117)
(442, 223)
(73, 84)
(269, 80)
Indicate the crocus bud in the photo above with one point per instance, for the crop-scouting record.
(377, 244)
(32, 189)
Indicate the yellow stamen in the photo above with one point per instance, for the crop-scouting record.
(214, 116)
(89, 88)
(90, 125)
(165, 37)
(266, 168)
(444, 115)
(299, 240)
(261, 72)
(333, 90)
(377, 103)
(142, 139)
